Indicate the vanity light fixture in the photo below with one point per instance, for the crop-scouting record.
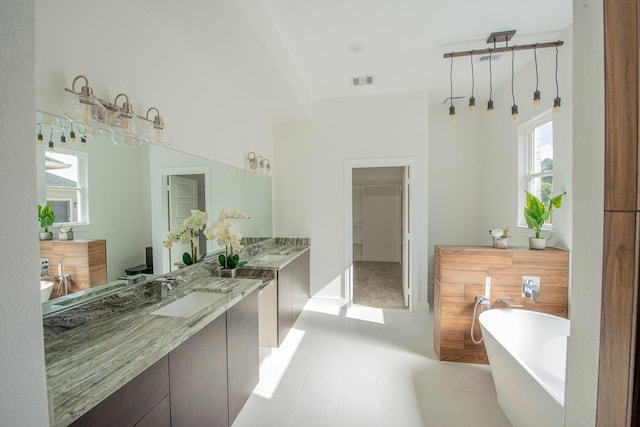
(536, 94)
(257, 161)
(514, 107)
(124, 124)
(472, 99)
(84, 109)
(452, 109)
(156, 133)
(556, 101)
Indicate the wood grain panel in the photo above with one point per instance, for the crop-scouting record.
(617, 318)
(84, 260)
(621, 104)
(461, 281)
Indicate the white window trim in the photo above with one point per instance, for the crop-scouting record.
(524, 165)
(83, 187)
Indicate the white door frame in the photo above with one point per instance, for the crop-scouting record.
(349, 165)
(160, 208)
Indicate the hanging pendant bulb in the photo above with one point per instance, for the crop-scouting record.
(83, 141)
(51, 142)
(514, 107)
(556, 101)
(72, 135)
(490, 103)
(63, 139)
(472, 99)
(536, 93)
(40, 137)
(452, 109)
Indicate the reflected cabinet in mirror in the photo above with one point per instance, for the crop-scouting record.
(129, 199)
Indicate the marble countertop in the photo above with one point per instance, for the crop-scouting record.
(94, 349)
(88, 363)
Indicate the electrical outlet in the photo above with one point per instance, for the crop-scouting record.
(44, 265)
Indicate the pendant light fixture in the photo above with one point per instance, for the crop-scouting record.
(124, 124)
(452, 109)
(514, 107)
(536, 94)
(556, 101)
(472, 99)
(156, 133)
(84, 109)
(40, 137)
(490, 103)
(51, 141)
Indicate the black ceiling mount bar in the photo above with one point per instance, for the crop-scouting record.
(503, 49)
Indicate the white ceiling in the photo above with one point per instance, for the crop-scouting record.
(284, 53)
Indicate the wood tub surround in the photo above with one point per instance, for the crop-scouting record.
(459, 275)
(84, 260)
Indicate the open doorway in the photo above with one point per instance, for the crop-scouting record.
(379, 239)
(184, 193)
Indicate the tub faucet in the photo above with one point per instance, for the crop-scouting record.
(63, 279)
(510, 302)
(531, 289)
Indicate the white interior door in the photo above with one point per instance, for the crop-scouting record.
(406, 236)
(183, 197)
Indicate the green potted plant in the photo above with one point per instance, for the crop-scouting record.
(46, 217)
(536, 214)
(226, 235)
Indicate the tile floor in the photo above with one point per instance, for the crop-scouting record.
(367, 367)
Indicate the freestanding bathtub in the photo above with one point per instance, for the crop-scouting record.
(528, 357)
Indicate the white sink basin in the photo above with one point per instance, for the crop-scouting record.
(189, 304)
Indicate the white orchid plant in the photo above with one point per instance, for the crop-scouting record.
(188, 233)
(225, 234)
(499, 233)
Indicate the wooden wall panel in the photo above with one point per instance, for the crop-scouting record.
(84, 260)
(461, 273)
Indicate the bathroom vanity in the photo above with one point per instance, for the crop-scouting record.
(460, 274)
(113, 362)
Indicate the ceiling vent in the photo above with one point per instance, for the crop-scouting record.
(362, 80)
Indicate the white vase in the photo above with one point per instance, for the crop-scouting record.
(537, 243)
(500, 242)
(46, 235)
(228, 272)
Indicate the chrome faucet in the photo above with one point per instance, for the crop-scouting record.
(531, 289)
(165, 285)
(63, 280)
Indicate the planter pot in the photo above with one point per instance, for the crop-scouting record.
(500, 243)
(228, 272)
(537, 243)
(46, 235)
(65, 236)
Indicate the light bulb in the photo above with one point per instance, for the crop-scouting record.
(40, 137)
(72, 136)
(536, 98)
(452, 113)
(514, 112)
(83, 140)
(556, 105)
(51, 146)
(490, 108)
(472, 104)
(158, 135)
(63, 140)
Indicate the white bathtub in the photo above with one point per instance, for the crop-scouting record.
(45, 290)
(528, 357)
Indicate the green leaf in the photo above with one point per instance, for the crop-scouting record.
(556, 202)
(201, 257)
(221, 260)
(186, 258)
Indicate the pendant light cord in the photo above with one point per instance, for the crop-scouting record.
(473, 79)
(535, 58)
(513, 96)
(490, 77)
(557, 87)
(451, 82)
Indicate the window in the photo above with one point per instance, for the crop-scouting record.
(65, 182)
(537, 160)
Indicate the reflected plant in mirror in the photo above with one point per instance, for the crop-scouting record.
(225, 234)
(189, 233)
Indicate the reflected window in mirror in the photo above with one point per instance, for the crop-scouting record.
(66, 185)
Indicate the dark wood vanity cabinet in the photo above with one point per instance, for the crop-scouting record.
(293, 293)
(198, 378)
(243, 360)
(205, 381)
(130, 405)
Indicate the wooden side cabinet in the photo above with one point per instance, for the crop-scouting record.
(459, 276)
(293, 293)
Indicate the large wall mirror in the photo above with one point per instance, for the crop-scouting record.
(120, 195)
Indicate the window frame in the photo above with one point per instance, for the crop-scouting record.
(526, 158)
(82, 188)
